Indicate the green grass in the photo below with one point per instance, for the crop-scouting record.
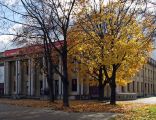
(152, 109)
(144, 113)
(152, 112)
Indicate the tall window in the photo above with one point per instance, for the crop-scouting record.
(133, 86)
(122, 89)
(74, 84)
(128, 87)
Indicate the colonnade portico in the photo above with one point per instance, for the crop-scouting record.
(23, 78)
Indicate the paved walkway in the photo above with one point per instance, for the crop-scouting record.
(150, 100)
(10, 112)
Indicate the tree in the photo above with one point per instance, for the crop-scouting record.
(50, 21)
(113, 37)
(53, 19)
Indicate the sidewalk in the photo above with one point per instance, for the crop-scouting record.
(150, 100)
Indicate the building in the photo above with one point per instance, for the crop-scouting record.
(1, 76)
(23, 78)
(144, 83)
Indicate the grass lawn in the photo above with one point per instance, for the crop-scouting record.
(147, 112)
(128, 111)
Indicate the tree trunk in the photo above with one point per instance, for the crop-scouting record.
(101, 92)
(50, 81)
(49, 68)
(65, 89)
(51, 91)
(101, 86)
(65, 77)
(113, 88)
(65, 94)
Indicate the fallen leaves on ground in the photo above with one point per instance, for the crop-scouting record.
(129, 111)
(75, 105)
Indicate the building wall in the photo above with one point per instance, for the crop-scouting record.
(144, 83)
(23, 77)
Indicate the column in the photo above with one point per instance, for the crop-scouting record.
(60, 86)
(18, 77)
(78, 85)
(44, 81)
(118, 89)
(82, 87)
(125, 88)
(6, 78)
(32, 78)
(29, 77)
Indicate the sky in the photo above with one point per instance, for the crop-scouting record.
(5, 40)
(11, 28)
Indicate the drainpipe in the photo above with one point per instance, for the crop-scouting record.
(143, 83)
(153, 77)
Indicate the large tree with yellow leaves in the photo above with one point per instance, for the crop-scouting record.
(113, 40)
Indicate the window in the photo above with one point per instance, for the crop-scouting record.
(74, 84)
(133, 86)
(122, 89)
(128, 87)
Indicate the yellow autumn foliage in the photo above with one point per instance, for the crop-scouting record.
(105, 38)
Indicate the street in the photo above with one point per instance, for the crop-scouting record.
(10, 112)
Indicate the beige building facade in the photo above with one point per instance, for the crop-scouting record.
(144, 83)
(24, 79)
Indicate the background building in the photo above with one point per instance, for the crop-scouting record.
(1, 75)
(144, 83)
(23, 78)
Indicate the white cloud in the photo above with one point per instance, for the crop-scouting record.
(5, 42)
(11, 2)
(16, 28)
